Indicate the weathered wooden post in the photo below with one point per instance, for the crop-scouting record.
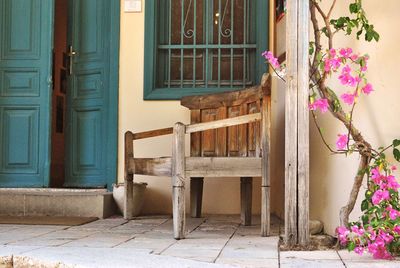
(178, 180)
(297, 124)
(128, 177)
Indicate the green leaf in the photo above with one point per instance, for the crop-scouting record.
(376, 36)
(364, 205)
(396, 154)
(351, 246)
(396, 143)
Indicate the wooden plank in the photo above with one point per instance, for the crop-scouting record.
(152, 133)
(225, 99)
(221, 135)
(242, 131)
(266, 160)
(223, 166)
(303, 123)
(195, 137)
(246, 195)
(223, 123)
(208, 137)
(233, 133)
(151, 166)
(178, 181)
(128, 177)
(291, 125)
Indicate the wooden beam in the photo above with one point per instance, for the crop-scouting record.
(265, 166)
(128, 177)
(303, 123)
(291, 123)
(178, 181)
(225, 99)
(223, 166)
(244, 119)
(151, 166)
(152, 133)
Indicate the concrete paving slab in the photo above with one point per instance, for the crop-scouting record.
(249, 262)
(310, 255)
(10, 250)
(100, 257)
(301, 263)
(99, 240)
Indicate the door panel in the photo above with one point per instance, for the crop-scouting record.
(88, 94)
(25, 84)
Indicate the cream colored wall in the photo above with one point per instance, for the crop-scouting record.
(220, 195)
(377, 116)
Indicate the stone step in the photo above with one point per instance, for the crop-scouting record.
(56, 202)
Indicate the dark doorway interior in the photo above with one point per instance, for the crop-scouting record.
(57, 171)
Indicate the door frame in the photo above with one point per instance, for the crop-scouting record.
(112, 145)
(112, 98)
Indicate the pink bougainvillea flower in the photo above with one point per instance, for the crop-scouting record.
(393, 168)
(345, 52)
(379, 196)
(348, 98)
(376, 175)
(393, 213)
(359, 250)
(341, 142)
(332, 64)
(271, 59)
(342, 233)
(396, 229)
(321, 104)
(392, 182)
(367, 89)
(354, 57)
(332, 52)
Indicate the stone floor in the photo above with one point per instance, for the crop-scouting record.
(214, 241)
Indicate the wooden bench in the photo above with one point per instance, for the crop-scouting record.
(230, 135)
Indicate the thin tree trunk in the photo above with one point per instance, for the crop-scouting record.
(348, 208)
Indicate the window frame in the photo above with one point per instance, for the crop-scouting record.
(150, 92)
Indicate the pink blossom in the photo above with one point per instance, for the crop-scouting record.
(348, 98)
(378, 250)
(271, 59)
(393, 168)
(321, 104)
(342, 234)
(376, 175)
(332, 64)
(345, 52)
(379, 196)
(393, 213)
(354, 57)
(357, 230)
(359, 250)
(392, 182)
(341, 142)
(332, 52)
(367, 89)
(396, 229)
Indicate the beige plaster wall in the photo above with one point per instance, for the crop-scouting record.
(377, 116)
(220, 195)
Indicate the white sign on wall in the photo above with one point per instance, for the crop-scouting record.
(133, 5)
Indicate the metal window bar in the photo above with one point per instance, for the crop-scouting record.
(209, 45)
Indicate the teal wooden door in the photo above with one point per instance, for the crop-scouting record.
(88, 96)
(25, 88)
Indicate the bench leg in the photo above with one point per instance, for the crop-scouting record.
(128, 206)
(246, 188)
(178, 181)
(196, 196)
